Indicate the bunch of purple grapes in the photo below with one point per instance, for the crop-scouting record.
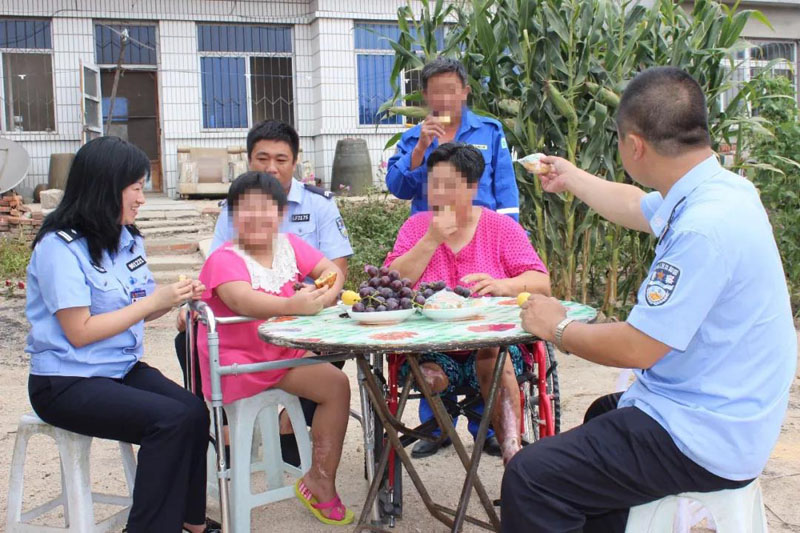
(386, 291)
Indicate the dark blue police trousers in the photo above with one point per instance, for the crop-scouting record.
(169, 423)
(586, 479)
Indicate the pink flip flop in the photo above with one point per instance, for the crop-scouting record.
(339, 515)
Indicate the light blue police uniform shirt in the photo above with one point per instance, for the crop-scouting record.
(60, 276)
(497, 189)
(311, 216)
(716, 295)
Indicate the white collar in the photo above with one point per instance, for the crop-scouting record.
(284, 266)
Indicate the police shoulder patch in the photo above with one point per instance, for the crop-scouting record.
(68, 235)
(342, 227)
(661, 284)
(318, 190)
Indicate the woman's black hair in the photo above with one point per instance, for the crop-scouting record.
(92, 202)
(467, 160)
(259, 182)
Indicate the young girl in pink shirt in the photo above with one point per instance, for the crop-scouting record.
(254, 276)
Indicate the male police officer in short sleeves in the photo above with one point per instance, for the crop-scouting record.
(711, 336)
(445, 88)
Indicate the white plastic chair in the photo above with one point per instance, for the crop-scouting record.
(76, 495)
(733, 511)
(244, 416)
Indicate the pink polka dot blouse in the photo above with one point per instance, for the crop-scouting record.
(499, 248)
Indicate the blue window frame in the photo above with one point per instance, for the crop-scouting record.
(246, 74)
(140, 49)
(25, 33)
(26, 90)
(374, 63)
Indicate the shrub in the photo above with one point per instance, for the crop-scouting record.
(14, 257)
(776, 173)
(373, 224)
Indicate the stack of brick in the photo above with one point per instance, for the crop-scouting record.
(17, 220)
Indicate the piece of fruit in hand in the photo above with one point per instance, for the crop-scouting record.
(534, 165)
(522, 298)
(327, 279)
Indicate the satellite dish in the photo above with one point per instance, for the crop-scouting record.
(14, 162)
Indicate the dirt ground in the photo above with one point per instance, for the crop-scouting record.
(581, 382)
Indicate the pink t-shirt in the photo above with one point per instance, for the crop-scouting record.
(499, 248)
(239, 343)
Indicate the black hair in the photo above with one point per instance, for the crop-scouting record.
(466, 159)
(443, 65)
(666, 106)
(273, 130)
(259, 182)
(92, 202)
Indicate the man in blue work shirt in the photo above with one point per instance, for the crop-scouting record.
(311, 214)
(711, 335)
(445, 89)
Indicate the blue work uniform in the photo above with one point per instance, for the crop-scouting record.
(716, 295)
(62, 275)
(497, 189)
(311, 214)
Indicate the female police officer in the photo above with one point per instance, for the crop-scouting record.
(89, 293)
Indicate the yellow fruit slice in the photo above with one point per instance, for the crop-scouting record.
(182, 277)
(350, 297)
(522, 298)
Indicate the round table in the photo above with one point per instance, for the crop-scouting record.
(333, 331)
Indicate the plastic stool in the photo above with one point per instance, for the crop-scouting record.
(733, 511)
(76, 495)
(244, 415)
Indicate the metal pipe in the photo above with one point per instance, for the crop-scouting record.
(466, 491)
(207, 316)
(368, 426)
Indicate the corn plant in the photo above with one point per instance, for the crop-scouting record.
(552, 71)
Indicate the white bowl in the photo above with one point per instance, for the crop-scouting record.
(385, 317)
(452, 315)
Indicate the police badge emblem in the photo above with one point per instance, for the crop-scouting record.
(661, 284)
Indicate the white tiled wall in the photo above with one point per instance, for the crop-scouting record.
(324, 63)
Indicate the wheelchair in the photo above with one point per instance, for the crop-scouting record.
(540, 410)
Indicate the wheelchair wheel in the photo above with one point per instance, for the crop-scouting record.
(533, 416)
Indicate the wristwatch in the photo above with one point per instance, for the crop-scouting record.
(560, 332)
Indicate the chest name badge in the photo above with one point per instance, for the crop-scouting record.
(137, 294)
(661, 284)
(481, 146)
(301, 217)
(136, 263)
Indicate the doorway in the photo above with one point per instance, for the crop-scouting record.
(135, 115)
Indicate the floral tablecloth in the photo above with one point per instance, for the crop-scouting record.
(497, 325)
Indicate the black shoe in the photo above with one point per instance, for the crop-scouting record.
(212, 526)
(426, 448)
(492, 447)
(289, 451)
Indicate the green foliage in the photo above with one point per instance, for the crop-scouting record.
(552, 72)
(14, 257)
(777, 175)
(373, 224)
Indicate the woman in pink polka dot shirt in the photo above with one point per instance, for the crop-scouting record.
(463, 244)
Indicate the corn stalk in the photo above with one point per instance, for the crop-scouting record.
(552, 71)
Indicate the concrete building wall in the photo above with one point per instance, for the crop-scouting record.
(324, 77)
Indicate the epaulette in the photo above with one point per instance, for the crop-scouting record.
(222, 203)
(68, 235)
(318, 190)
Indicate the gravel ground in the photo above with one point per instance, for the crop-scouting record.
(581, 382)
